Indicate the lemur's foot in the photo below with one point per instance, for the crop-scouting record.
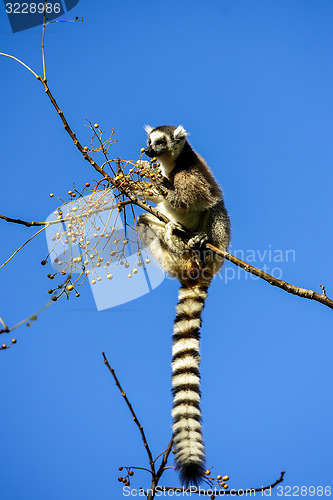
(175, 228)
(175, 236)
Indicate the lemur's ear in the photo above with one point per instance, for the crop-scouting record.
(148, 128)
(180, 132)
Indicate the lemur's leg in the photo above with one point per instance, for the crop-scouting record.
(171, 236)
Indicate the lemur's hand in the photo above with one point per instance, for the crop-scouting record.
(197, 241)
(157, 181)
(197, 244)
(175, 236)
(144, 163)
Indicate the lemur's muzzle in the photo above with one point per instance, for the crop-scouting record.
(150, 152)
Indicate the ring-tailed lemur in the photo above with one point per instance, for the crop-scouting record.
(192, 200)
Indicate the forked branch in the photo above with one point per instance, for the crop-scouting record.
(156, 475)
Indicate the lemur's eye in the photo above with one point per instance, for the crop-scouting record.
(161, 142)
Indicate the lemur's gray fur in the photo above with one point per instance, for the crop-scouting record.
(192, 200)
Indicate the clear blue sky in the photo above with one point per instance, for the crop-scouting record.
(252, 82)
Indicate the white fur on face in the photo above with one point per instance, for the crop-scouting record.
(173, 148)
(154, 136)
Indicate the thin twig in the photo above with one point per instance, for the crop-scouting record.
(135, 418)
(31, 315)
(76, 20)
(163, 452)
(164, 461)
(43, 36)
(64, 219)
(18, 60)
(215, 491)
(20, 248)
(101, 144)
(138, 468)
(5, 327)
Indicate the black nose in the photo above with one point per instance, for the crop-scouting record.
(150, 152)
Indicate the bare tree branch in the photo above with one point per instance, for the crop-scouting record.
(295, 290)
(288, 287)
(135, 418)
(164, 460)
(63, 219)
(16, 251)
(18, 60)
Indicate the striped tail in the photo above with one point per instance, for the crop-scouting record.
(187, 428)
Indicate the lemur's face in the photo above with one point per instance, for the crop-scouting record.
(165, 141)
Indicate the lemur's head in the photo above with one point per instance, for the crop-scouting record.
(165, 141)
